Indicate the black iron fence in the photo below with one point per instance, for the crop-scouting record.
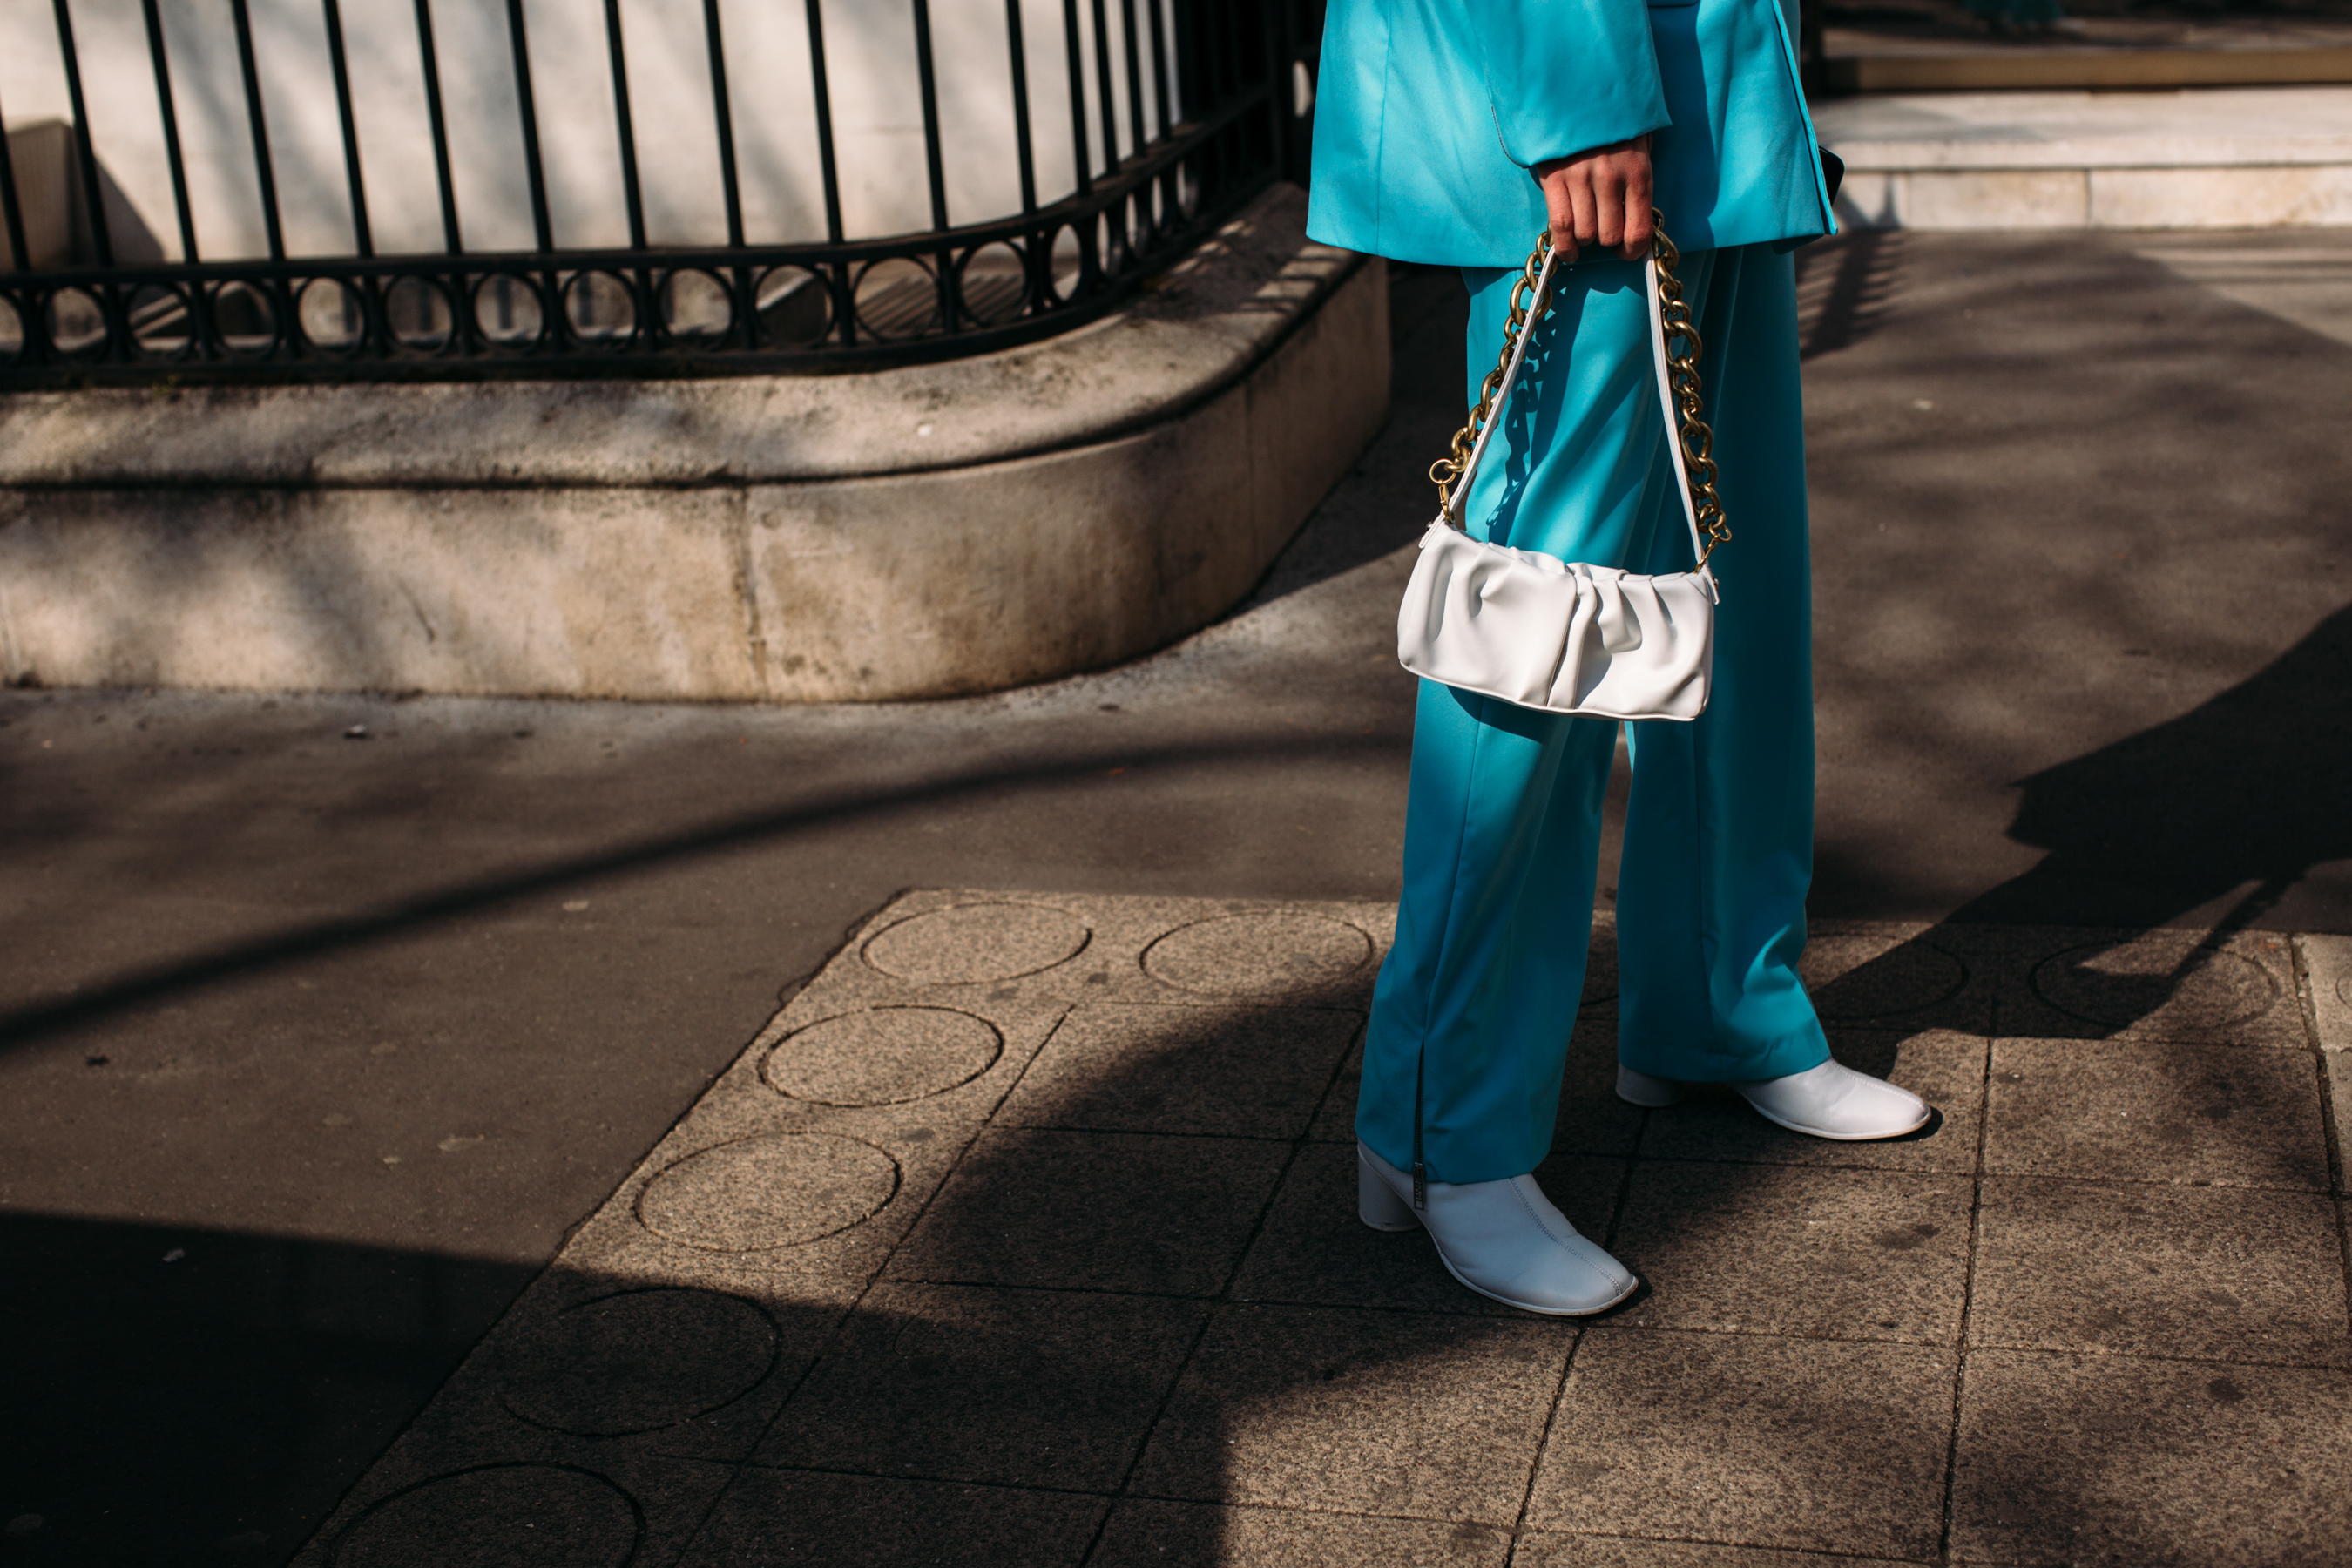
(1172, 114)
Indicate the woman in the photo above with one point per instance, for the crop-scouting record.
(1454, 131)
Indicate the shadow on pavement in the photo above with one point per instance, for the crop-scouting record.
(2243, 794)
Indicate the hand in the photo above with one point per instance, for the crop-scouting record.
(1601, 197)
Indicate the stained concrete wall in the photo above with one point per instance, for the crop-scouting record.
(922, 531)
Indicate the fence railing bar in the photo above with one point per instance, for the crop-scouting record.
(12, 214)
(624, 125)
(1024, 154)
(429, 55)
(826, 164)
(1134, 50)
(257, 125)
(1106, 94)
(527, 111)
(1162, 119)
(361, 236)
(170, 114)
(1077, 68)
(727, 182)
(85, 148)
(1219, 72)
(928, 85)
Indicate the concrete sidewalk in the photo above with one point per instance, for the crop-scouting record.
(1025, 1235)
(316, 1048)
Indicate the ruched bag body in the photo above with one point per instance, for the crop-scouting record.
(1564, 635)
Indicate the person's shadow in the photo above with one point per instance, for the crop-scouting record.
(2250, 791)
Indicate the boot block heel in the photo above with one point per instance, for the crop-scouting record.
(1377, 1203)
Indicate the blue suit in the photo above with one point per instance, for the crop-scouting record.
(1429, 113)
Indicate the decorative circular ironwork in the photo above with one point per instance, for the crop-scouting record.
(331, 314)
(416, 310)
(794, 308)
(898, 297)
(162, 322)
(244, 315)
(508, 312)
(993, 285)
(77, 323)
(601, 308)
(1065, 263)
(696, 308)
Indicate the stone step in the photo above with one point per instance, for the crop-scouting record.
(2204, 158)
(1949, 53)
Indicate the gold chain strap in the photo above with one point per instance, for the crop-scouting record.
(1681, 381)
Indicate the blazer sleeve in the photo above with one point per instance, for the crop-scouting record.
(1566, 76)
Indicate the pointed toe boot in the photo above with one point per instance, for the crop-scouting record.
(1503, 1239)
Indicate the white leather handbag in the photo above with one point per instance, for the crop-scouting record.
(1562, 636)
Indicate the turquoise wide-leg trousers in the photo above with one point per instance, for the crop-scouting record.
(1474, 1006)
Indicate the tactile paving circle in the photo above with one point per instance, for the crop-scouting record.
(1259, 956)
(2161, 971)
(969, 944)
(882, 1056)
(778, 1189)
(500, 1516)
(637, 1362)
(1873, 976)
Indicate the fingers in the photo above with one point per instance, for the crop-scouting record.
(1641, 212)
(1563, 217)
(1601, 199)
(1585, 226)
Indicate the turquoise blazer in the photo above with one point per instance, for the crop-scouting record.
(1430, 113)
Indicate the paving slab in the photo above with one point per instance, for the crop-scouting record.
(1096, 1211)
(1014, 1387)
(2091, 1458)
(1176, 1533)
(1908, 975)
(868, 1521)
(2166, 984)
(2157, 1113)
(1814, 1254)
(2328, 983)
(1545, 1549)
(1411, 1415)
(1748, 1440)
(1250, 1072)
(2194, 1273)
(1059, 1233)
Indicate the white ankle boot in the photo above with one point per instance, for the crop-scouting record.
(1831, 1100)
(1503, 1239)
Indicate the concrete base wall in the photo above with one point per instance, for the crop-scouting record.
(929, 532)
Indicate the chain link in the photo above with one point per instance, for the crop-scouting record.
(1682, 382)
